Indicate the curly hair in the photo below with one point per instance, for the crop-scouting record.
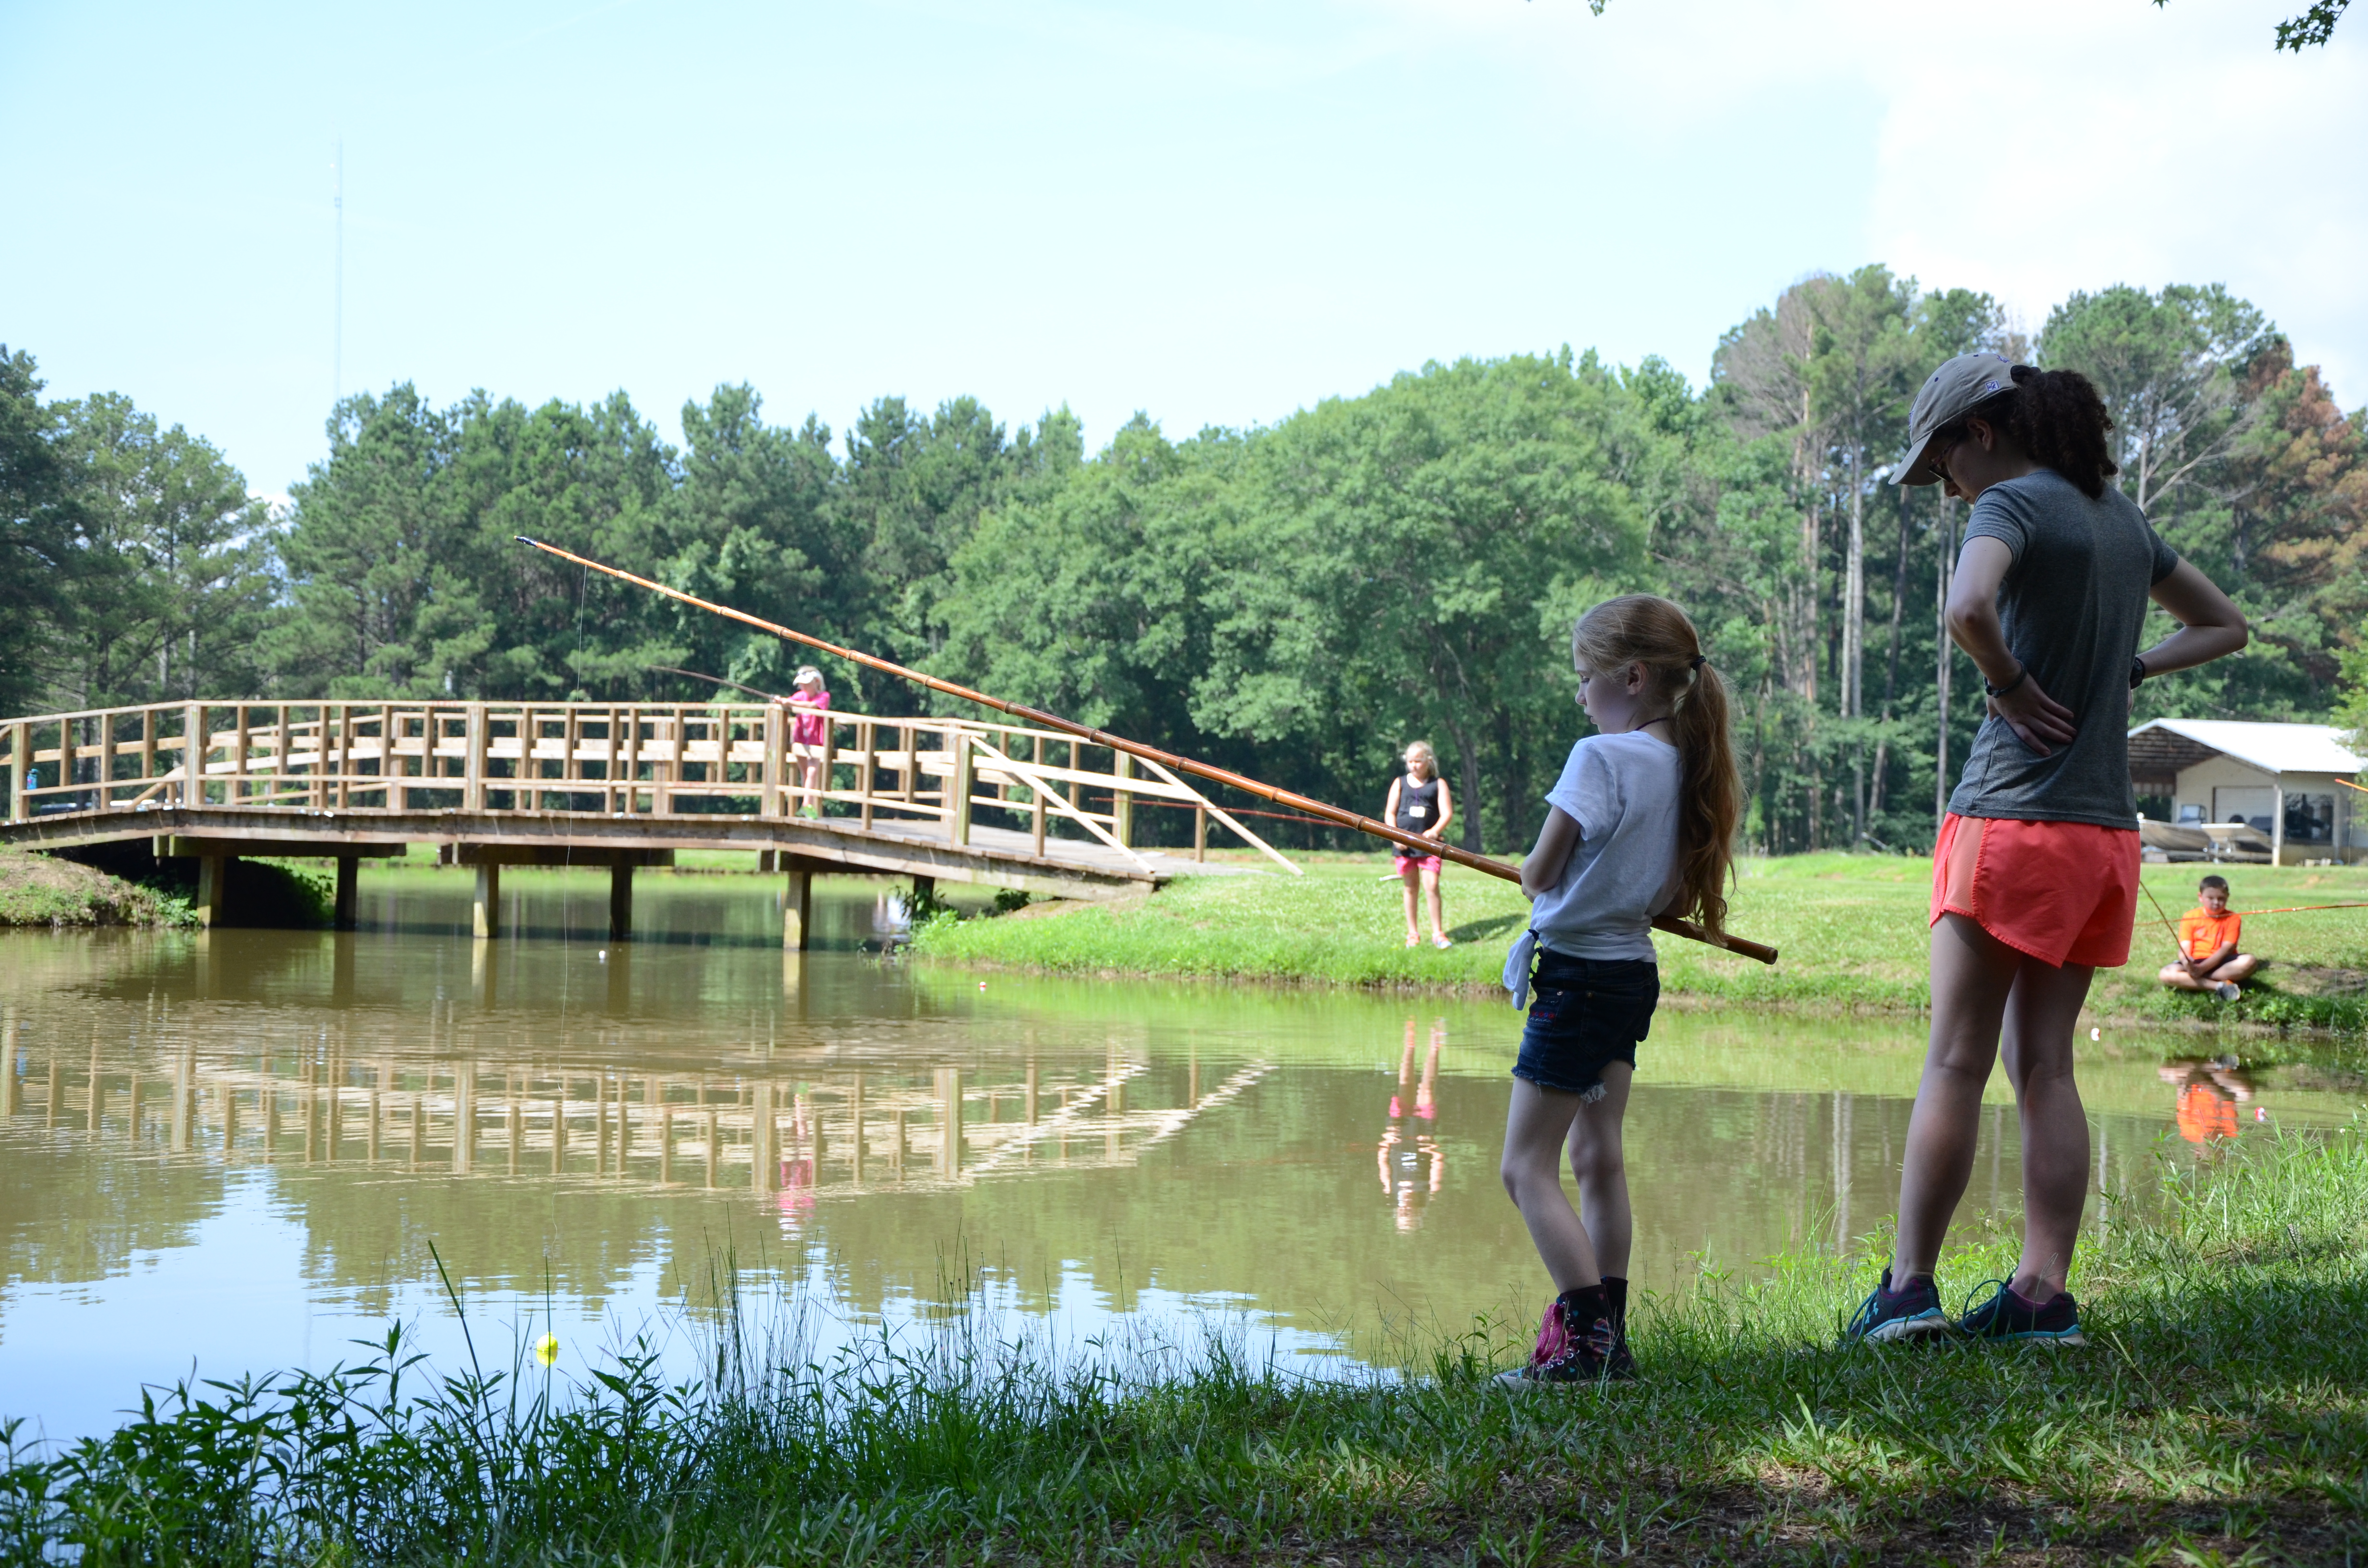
(2057, 417)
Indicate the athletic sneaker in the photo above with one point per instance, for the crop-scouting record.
(2226, 990)
(2007, 1316)
(1568, 1351)
(1912, 1311)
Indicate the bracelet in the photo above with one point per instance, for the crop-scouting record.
(2021, 675)
(2137, 672)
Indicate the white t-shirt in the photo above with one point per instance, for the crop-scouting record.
(1623, 793)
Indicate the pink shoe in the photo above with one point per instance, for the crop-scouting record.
(1440, 942)
(1553, 1337)
(1413, 941)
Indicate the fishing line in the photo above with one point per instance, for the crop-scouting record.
(2177, 946)
(2299, 908)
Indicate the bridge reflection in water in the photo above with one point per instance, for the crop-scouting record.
(783, 1133)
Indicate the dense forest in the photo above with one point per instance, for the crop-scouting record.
(1295, 600)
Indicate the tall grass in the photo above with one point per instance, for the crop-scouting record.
(2221, 1411)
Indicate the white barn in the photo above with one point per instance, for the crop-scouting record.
(2287, 781)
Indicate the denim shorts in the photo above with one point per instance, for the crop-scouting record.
(1585, 1014)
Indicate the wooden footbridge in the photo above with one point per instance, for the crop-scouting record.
(597, 784)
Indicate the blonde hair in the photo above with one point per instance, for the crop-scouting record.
(1422, 749)
(1644, 628)
(806, 673)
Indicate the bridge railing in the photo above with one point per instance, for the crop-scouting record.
(616, 758)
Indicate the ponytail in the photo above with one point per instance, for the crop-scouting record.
(1644, 628)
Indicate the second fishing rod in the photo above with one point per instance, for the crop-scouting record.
(1093, 736)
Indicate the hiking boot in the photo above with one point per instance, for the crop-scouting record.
(2007, 1316)
(1912, 1311)
(1574, 1345)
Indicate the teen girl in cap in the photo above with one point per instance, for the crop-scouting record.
(2034, 875)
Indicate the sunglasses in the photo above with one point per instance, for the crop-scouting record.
(1944, 443)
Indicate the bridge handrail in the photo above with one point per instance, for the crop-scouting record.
(645, 759)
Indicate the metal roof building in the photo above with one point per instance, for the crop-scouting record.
(2290, 783)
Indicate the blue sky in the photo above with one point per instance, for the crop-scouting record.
(1214, 214)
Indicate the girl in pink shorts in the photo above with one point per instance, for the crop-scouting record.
(2034, 873)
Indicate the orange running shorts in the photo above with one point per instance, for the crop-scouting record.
(2062, 891)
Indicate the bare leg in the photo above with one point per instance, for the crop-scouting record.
(1430, 886)
(1971, 973)
(1598, 1161)
(1534, 1129)
(2040, 1014)
(2176, 976)
(1412, 877)
(2238, 969)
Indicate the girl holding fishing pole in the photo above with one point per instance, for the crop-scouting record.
(2035, 871)
(1641, 823)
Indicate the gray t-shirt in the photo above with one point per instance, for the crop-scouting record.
(1623, 792)
(2072, 607)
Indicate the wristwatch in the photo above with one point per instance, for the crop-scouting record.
(2137, 672)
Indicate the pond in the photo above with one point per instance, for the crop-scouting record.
(243, 1151)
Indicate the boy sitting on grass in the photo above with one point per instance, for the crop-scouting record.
(2208, 934)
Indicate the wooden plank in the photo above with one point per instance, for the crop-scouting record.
(20, 751)
(868, 772)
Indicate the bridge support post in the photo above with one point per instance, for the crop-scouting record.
(797, 908)
(1122, 799)
(958, 787)
(489, 901)
(213, 888)
(349, 868)
(621, 902)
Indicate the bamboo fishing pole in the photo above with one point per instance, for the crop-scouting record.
(695, 675)
(1087, 733)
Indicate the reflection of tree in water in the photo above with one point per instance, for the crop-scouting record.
(1412, 1164)
(2209, 1093)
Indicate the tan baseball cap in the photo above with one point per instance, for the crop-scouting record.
(1955, 390)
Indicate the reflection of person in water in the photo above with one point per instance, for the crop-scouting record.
(1405, 1150)
(2209, 1094)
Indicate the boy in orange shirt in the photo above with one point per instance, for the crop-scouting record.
(2208, 934)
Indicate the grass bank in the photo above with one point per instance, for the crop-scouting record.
(1851, 928)
(140, 890)
(36, 890)
(2220, 1414)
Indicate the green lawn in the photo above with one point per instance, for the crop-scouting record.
(1851, 929)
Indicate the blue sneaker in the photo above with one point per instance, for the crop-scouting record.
(2007, 1316)
(1912, 1311)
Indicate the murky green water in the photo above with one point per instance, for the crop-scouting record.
(232, 1152)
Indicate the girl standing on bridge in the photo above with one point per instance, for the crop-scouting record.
(1642, 823)
(1420, 804)
(807, 733)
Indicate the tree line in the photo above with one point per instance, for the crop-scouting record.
(1294, 600)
